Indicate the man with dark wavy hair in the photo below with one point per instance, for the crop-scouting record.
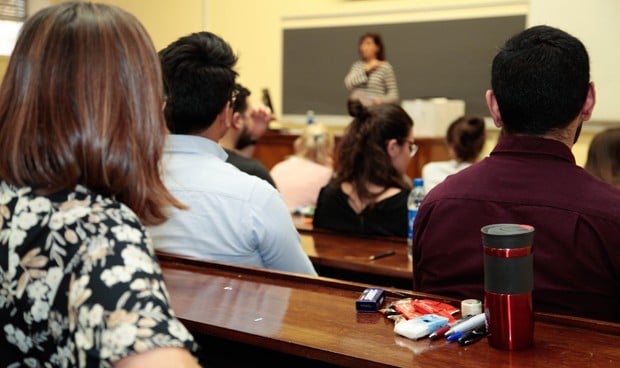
(541, 95)
(232, 217)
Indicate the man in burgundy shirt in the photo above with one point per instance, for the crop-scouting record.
(541, 95)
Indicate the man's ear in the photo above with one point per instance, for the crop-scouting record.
(494, 108)
(588, 105)
(235, 121)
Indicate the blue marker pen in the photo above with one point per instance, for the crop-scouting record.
(454, 336)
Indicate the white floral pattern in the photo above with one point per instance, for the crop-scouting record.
(79, 283)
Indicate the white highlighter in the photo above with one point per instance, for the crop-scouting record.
(472, 323)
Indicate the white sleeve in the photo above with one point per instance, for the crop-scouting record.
(279, 243)
(432, 175)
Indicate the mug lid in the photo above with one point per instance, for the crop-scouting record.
(507, 235)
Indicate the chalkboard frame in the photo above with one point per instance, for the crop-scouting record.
(448, 58)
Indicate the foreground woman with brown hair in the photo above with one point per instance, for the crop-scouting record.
(81, 135)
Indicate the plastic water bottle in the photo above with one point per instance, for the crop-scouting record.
(413, 203)
(310, 117)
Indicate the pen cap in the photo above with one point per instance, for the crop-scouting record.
(508, 284)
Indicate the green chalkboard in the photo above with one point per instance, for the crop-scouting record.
(431, 59)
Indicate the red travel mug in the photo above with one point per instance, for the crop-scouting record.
(508, 284)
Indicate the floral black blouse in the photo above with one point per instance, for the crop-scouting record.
(79, 283)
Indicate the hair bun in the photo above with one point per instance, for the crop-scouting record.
(357, 109)
(477, 124)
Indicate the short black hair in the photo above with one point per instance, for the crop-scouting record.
(198, 81)
(540, 78)
(240, 103)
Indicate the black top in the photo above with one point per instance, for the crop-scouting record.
(387, 217)
(250, 166)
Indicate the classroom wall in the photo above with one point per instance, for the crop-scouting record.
(597, 24)
(164, 20)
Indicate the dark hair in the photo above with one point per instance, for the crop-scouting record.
(80, 104)
(198, 80)
(604, 156)
(376, 38)
(466, 135)
(240, 103)
(540, 78)
(362, 156)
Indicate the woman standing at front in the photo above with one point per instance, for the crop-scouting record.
(371, 79)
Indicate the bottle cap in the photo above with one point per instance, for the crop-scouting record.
(470, 307)
(310, 117)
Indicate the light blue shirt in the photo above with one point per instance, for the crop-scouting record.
(232, 217)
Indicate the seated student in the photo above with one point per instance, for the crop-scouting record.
(465, 138)
(541, 96)
(604, 156)
(368, 194)
(233, 216)
(81, 135)
(300, 177)
(248, 124)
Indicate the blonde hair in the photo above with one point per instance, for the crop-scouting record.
(316, 143)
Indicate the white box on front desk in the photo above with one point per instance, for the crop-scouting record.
(432, 117)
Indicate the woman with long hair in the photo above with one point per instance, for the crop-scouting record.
(368, 194)
(81, 135)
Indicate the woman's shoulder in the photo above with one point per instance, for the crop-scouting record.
(388, 194)
(296, 165)
(443, 167)
(393, 196)
(332, 189)
(386, 65)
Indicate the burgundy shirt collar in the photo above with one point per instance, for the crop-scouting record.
(533, 145)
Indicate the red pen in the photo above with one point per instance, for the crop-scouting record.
(438, 333)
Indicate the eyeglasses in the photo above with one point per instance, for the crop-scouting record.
(233, 96)
(413, 148)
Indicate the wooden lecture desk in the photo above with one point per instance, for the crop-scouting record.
(245, 316)
(346, 257)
